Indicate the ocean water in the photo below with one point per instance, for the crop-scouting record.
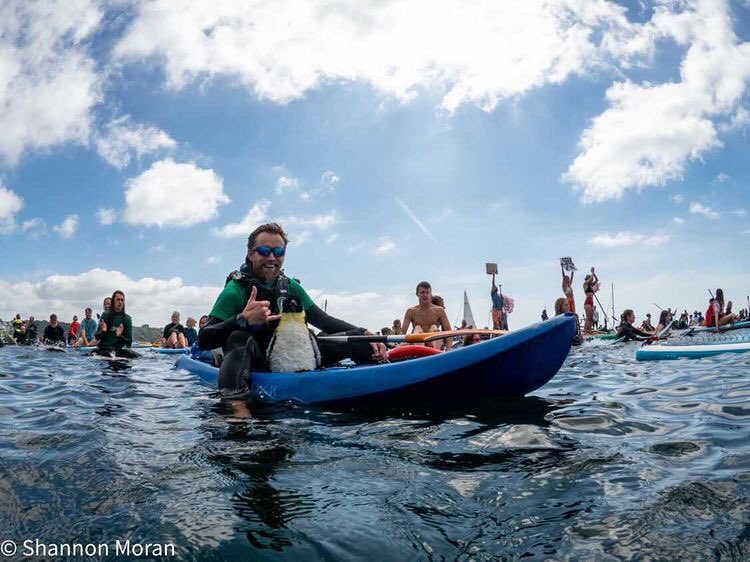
(612, 460)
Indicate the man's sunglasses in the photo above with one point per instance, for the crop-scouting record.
(265, 251)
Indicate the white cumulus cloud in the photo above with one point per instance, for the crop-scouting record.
(106, 216)
(622, 239)
(122, 138)
(329, 181)
(173, 194)
(10, 204)
(48, 83)
(384, 246)
(320, 222)
(369, 309)
(441, 216)
(476, 52)
(68, 227)
(257, 215)
(34, 227)
(299, 229)
(698, 209)
(147, 300)
(721, 178)
(651, 131)
(286, 184)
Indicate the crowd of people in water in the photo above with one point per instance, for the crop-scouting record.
(90, 332)
(719, 313)
(245, 323)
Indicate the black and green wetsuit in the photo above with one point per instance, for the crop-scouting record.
(245, 346)
(109, 341)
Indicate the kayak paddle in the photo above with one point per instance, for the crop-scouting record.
(411, 338)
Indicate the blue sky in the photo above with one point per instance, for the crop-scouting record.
(396, 142)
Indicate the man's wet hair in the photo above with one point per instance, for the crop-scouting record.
(270, 228)
(423, 285)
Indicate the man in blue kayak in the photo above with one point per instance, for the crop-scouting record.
(247, 311)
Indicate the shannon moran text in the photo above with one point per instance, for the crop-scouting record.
(35, 547)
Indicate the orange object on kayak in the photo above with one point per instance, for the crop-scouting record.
(411, 352)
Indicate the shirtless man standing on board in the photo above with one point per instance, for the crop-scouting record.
(426, 317)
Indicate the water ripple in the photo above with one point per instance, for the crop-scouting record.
(612, 460)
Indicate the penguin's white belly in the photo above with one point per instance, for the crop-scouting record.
(293, 347)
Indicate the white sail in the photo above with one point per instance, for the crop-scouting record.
(468, 316)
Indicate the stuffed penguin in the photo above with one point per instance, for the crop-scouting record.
(293, 348)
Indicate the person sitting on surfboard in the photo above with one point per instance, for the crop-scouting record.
(191, 334)
(665, 319)
(212, 357)
(248, 310)
(115, 330)
(73, 330)
(716, 315)
(426, 317)
(627, 332)
(174, 333)
(88, 329)
(53, 333)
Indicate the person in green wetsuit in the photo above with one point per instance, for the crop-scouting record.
(246, 313)
(115, 332)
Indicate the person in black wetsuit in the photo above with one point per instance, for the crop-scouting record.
(174, 333)
(628, 331)
(54, 333)
(246, 313)
(31, 331)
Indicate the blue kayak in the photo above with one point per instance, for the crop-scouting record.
(511, 365)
